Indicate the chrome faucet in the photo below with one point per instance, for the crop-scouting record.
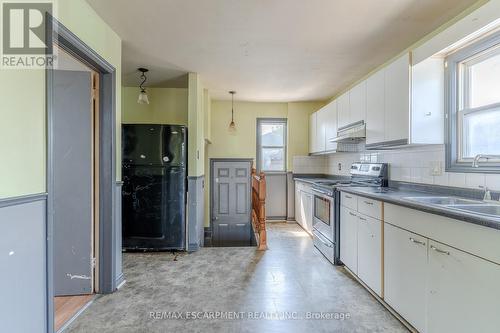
(475, 163)
(487, 193)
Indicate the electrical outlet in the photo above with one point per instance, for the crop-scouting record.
(339, 166)
(436, 168)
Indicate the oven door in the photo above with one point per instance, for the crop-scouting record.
(323, 214)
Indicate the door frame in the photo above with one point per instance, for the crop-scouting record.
(70, 43)
(212, 188)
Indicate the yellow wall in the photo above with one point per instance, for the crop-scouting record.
(196, 118)
(242, 143)
(166, 106)
(22, 104)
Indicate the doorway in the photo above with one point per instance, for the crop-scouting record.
(75, 138)
(82, 243)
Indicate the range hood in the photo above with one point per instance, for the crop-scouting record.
(352, 133)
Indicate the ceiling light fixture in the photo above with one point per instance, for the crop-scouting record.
(232, 125)
(143, 96)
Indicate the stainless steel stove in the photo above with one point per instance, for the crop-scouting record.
(326, 210)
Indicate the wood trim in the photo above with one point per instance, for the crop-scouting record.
(259, 208)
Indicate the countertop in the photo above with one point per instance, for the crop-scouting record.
(397, 196)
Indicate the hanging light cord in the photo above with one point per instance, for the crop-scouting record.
(232, 107)
(144, 78)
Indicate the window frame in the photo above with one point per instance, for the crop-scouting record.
(260, 147)
(457, 102)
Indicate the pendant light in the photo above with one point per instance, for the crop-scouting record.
(232, 125)
(143, 96)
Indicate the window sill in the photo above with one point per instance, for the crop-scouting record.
(467, 168)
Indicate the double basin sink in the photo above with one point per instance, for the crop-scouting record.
(466, 205)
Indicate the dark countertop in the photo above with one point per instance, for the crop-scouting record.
(396, 196)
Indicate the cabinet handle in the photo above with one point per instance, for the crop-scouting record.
(413, 240)
(368, 203)
(223, 224)
(352, 214)
(241, 224)
(361, 218)
(439, 250)
(348, 196)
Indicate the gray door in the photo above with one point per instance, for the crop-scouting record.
(72, 137)
(231, 203)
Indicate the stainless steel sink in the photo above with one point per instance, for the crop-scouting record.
(444, 201)
(485, 209)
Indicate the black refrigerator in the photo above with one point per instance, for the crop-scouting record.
(154, 172)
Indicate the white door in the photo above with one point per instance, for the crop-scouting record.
(343, 110)
(375, 108)
(331, 126)
(349, 239)
(313, 146)
(357, 100)
(321, 121)
(464, 292)
(405, 270)
(397, 99)
(370, 252)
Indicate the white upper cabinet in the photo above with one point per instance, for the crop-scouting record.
(357, 103)
(375, 111)
(391, 119)
(427, 116)
(331, 126)
(321, 120)
(343, 110)
(397, 99)
(312, 133)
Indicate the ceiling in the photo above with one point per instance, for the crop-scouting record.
(268, 50)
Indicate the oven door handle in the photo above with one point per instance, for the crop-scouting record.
(320, 191)
(321, 239)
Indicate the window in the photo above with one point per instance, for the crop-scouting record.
(473, 108)
(271, 145)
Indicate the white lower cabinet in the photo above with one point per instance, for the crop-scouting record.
(304, 206)
(463, 292)
(370, 252)
(298, 206)
(349, 239)
(307, 210)
(405, 273)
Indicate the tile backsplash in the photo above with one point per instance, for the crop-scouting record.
(421, 164)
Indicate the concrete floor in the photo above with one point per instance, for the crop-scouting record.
(291, 278)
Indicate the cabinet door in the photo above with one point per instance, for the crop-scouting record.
(397, 99)
(321, 129)
(312, 133)
(343, 110)
(331, 126)
(428, 102)
(349, 239)
(307, 209)
(370, 252)
(298, 205)
(375, 108)
(405, 269)
(464, 291)
(357, 100)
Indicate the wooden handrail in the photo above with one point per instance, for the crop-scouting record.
(259, 209)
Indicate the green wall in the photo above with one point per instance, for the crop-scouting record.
(22, 104)
(166, 106)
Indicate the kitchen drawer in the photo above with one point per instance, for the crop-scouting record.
(370, 207)
(349, 200)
